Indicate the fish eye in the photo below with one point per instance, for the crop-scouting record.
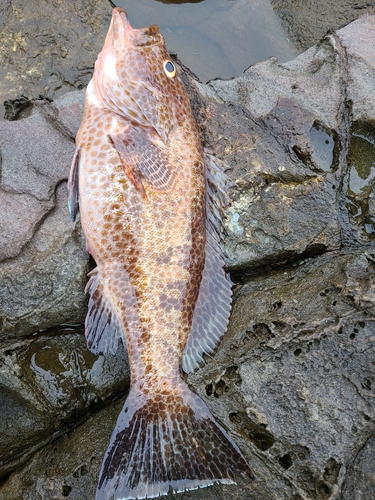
(169, 69)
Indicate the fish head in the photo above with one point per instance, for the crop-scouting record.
(135, 78)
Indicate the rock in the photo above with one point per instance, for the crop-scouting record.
(46, 50)
(360, 483)
(282, 208)
(308, 22)
(14, 108)
(69, 468)
(299, 165)
(293, 378)
(294, 373)
(49, 383)
(43, 262)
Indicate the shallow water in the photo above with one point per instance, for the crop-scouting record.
(215, 38)
(361, 185)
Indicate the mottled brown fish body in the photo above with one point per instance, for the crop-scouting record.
(131, 238)
(139, 175)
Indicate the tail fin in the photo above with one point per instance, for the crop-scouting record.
(167, 441)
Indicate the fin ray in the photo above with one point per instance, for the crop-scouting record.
(144, 157)
(103, 330)
(167, 441)
(212, 310)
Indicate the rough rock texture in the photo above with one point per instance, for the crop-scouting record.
(43, 262)
(293, 379)
(308, 21)
(69, 468)
(47, 49)
(319, 183)
(361, 481)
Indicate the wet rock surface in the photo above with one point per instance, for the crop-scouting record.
(47, 49)
(318, 174)
(49, 383)
(293, 379)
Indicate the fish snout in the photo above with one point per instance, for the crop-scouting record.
(120, 23)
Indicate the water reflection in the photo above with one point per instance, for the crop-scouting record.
(324, 145)
(215, 38)
(361, 185)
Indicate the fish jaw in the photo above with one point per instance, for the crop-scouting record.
(119, 32)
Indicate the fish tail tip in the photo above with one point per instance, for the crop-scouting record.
(168, 445)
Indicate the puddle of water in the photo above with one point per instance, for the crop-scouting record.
(215, 38)
(361, 185)
(324, 145)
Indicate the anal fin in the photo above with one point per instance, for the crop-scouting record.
(102, 326)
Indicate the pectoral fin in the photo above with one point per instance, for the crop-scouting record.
(144, 159)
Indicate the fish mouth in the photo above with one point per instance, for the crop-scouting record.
(124, 32)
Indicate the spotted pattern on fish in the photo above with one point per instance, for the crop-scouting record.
(152, 223)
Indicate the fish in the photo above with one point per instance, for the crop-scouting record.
(151, 202)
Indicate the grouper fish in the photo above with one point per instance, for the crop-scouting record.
(151, 201)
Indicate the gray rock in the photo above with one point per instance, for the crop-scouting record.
(293, 375)
(283, 204)
(49, 50)
(69, 468)
(341, 67)
(360, 483)
(308, 22)
(303, 160)
(43, 262)
(49, 383)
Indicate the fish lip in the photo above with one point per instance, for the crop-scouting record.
(123, 17)
(120, 24)
(132, 37)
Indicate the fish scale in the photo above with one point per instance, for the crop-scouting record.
(151, 201)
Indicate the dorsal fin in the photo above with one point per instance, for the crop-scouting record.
(212, 310)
